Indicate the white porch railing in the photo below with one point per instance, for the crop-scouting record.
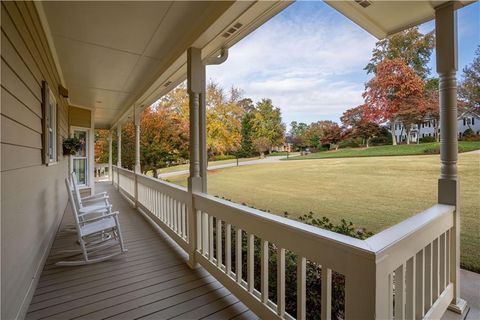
(400, 273)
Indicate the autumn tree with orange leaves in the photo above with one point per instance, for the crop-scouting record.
(394, 89)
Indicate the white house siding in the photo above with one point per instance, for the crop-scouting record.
(427, 129)
(33, 196)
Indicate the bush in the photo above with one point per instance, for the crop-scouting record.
(348, 144)
(380, 141)
(472, 138)
(223, 157)
(313, 271)
(468, 133)
(427, 139)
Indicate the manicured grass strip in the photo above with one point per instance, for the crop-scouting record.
(399, 150)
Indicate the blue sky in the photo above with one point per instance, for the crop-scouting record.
(309, 60)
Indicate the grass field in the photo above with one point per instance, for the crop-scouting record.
(373, 193)
(400, 150)
(210, 163)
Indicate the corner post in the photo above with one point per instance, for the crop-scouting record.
(448, 183)
(110, 154)
(119, 152)
(195, 184)
(138, 168)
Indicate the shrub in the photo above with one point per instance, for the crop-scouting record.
(472, 138)
(468, 133)
(427, 139)
(223, 157)
(379, 141)
(348, 144)
(313, 271)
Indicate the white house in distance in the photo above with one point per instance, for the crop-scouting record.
(427, 128)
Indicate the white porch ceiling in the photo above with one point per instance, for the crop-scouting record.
(386, 17)
(116, 54)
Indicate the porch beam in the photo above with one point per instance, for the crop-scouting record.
(448, 183)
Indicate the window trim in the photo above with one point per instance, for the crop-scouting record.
(50, 123)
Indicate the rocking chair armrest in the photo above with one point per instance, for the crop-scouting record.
(95, 199)
(96, 195)
(83, 211)
(113, 214)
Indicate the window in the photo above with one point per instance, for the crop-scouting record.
(80, 159)
(473, 120)
(469, 121)
(49, 125)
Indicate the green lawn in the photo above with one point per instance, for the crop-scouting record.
(374, 193)
(400, 150)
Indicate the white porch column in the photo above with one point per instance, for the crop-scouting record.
(137, 141)
(194, 87)
(110, 154)
(119, 145)
(448, 184)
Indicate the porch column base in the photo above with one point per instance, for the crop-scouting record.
(459, 307)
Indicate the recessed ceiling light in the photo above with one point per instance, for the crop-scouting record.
(98, 101)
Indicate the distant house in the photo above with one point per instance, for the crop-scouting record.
(427, 128)
(285, 147)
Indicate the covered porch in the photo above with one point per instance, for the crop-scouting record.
(186, 257)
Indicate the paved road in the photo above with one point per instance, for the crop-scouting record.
(227, 165)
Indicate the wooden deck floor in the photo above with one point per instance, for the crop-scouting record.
(151, 281)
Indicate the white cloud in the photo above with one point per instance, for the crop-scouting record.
(308, 60)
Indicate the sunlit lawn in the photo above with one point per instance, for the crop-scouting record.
(374, 193)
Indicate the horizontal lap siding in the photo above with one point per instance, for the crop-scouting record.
(33, 196)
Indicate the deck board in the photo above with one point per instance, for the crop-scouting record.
(151, 281)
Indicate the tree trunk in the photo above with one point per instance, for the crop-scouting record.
(407, 132)
(262, 155)
(155, 173)
(394, 136)
(366, 142)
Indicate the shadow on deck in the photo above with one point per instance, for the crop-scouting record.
(151, 281)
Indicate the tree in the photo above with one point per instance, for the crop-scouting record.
(297, 134)
(246, 147)
(261, 145)
(413, 47)
(267, 123)
(101, 146)
(332, 134)
(469, 89)
(394, 87)
(357, 126)
(223, 120)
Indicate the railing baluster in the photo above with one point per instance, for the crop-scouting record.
(183, 212)
(400, 293)
(326, 293)
(238, 254)
(428, 277)
(210, 237)
(301, 288)
(200, 246)
(219, 243)
(419, 285)
(410, 289)
(264, 271)
(281, 281)
(250, 262)
(447, 257)
(205, 233)
(228, 248)
(442, 263)
(435, 269)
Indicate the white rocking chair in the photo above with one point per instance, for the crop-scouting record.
(93, 251)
